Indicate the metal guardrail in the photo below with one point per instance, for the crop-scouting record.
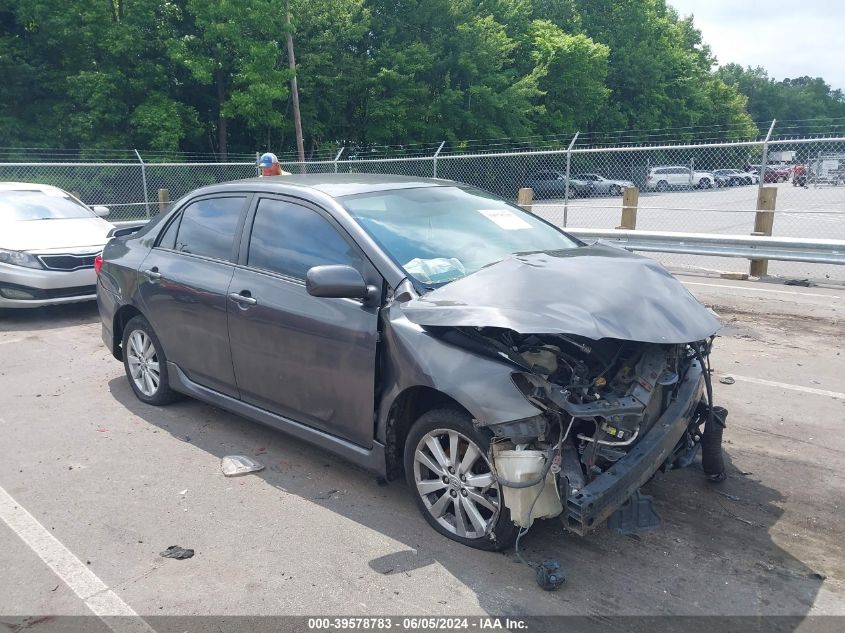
(787, 249)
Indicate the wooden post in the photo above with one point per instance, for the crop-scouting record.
(163, 200)
(630, 201)
(525, 197)
(763, 221)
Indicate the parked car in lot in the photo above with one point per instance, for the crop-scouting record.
(733, 178)
(48, 241)
(777, 173)
(602, 186)
(548, 183)
(425, 327)
(677, 177)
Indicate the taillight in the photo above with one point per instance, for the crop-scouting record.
(98, 263)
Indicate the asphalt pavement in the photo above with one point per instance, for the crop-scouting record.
(94, 485)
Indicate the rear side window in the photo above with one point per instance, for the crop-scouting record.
(207, 227)
(289, 239)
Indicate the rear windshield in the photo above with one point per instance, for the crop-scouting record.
(439, 234)
(21, 206)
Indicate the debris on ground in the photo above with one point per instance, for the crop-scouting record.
(329, 494)
(184, 492)
(729, 496)
(234, 465)
(727, 380)
(179, 553)
(259, 451)
(806, 283)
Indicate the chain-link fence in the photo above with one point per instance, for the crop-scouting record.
(687, 188)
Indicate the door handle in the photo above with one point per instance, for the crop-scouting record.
(152, 273)
(241, 298)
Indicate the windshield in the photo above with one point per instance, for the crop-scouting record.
(439, 234)
(19, 206)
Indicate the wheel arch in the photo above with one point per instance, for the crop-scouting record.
(122, 316)
(406, 408)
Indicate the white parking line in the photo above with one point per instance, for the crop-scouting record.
(94, 592)
(786, 385)
(752, 289)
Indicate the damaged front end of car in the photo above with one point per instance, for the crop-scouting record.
(614, 409)
(614, 413)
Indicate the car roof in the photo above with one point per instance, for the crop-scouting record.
(334, 185)
(30, 186)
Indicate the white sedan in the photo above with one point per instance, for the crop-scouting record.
(48, 242)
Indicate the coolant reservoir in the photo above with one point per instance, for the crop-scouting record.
(518, 466)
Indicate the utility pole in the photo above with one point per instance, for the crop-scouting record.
(294, 91)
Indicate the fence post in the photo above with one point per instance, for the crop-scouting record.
(630, 201)
(257, 165)
(337, 158)
(434, 159)
(762, 178)
(525, 197)
(163, 199)
(566, 189)
(764, 220)
(144, 182)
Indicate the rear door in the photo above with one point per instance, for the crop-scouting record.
(184, 281)
(307, 358)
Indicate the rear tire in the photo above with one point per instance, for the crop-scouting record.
(704, 183)
(146, 364)
(453, 484)
(616, 190)
(662, 185)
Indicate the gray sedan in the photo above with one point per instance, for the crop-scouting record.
(604, 186)
(422, 327)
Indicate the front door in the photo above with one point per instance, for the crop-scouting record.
(307, 358)
(184, 281)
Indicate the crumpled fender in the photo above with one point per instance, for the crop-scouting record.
(413, 357)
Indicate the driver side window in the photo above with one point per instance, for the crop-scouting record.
(289, 239)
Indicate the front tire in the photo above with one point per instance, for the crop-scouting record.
(704, 183)
(453, 483)
(146, 364)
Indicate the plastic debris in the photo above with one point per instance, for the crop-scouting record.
(179, 553)
(549, 575)
(727, 380)
(234, 465)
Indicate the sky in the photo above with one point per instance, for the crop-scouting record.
(788, 39)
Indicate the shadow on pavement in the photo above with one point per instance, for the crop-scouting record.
(48, 317)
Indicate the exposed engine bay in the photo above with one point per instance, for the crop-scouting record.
(599, 398)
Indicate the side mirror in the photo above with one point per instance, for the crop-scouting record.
(101, 210)
(337, 282)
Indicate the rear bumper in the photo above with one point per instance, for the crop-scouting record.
(596, 501)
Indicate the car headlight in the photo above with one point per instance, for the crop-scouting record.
(19, 258)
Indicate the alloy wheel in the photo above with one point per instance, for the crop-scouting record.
(143, 363)
(456, 483)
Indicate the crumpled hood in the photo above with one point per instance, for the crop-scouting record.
(592, 291)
